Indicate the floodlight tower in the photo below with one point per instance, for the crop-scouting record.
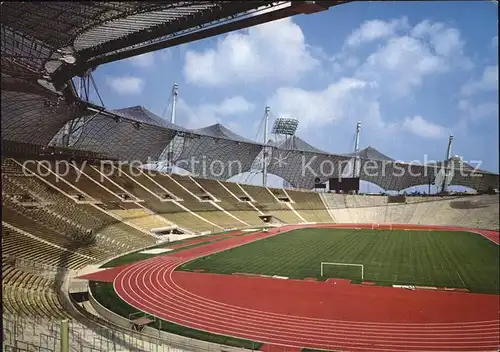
(356, 149)
(286, 127)
(448, 157)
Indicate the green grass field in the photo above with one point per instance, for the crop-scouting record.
(425, 258)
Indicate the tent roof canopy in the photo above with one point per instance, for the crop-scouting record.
(219, 131)
(141, 114)
(298, 143)
(369, 153)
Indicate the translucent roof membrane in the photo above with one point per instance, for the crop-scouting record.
(37, 35)
(301, 168)
(33, 118)
(123, 140)
(216, 158)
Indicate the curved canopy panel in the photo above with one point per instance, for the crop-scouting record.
(301, 168)
(22, 56)
(460, 173)
(216, 152)
(457, 162)
(219, 131)
(297, 143)
(33, 117)
(369, 153)
(395, 176)
(130, 134)
(141, 114)
(477, 181)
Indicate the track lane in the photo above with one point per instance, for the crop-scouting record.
(149, 286)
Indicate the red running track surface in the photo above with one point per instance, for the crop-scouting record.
(301, 314)
(106, 275)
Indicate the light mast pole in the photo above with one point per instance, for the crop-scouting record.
(264, 152)
(448, 157)
(356, 148)
(170, 158)
(175, 93)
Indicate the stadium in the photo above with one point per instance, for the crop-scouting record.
(106, 246)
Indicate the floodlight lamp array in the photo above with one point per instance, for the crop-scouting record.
(285, 126)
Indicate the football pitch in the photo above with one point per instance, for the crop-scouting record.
(403, 257)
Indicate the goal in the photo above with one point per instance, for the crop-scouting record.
(360, 266)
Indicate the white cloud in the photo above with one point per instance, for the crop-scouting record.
(272, 51)
(343, 103)
(488, 82)
(423, 128)
(375, 29)
(126, 85)
(402, 63)
(208, 114)
(478, 111)
(232, 106)
(343, 60)
(143, 61)
(347, 99)
(446, 41)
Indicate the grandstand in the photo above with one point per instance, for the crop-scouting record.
(59, 222)
(46, 227)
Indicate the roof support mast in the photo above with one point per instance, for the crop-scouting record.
(264, 152)
(356, 149)
(448, 151)
(448, 157)
(170, 155)
(175, 92)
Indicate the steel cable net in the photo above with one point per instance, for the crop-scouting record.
(456, 171)
(155, 16)
(396, 176)
(35, 32)
(22, 55)
(391, 175)
(130, 134)
(123, 140)
(33, 118)
(301, 168)
(36, 118)
(36, 36)
(90, 21)
(216, 158)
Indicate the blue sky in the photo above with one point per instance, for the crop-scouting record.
(411, 72)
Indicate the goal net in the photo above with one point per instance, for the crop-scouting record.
(343, 270)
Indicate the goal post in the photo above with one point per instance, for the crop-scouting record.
(361, 266)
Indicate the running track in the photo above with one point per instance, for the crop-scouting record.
(350, 318)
